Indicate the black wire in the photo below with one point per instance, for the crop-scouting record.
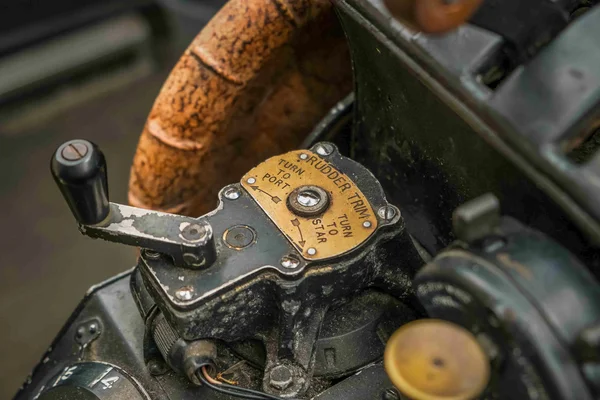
(254, 392)
(238, 391)
(218, 388)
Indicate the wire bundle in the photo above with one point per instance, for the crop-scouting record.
(232, 390)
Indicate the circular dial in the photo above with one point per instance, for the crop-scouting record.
(318, 207)
(90, 381)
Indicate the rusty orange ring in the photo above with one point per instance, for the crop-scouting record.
(252, 84)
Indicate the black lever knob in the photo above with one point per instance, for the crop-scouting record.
(79, 169)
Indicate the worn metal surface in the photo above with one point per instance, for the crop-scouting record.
(239, 289)
(118, 343)
(427, 122)
(121, 346)
(371, 382)
(286, 303)
(518, 297)
(344, 225)
(252, 84)
(188, 241)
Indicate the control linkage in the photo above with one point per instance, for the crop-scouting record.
(79, 169)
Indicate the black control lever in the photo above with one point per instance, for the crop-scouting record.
(79, 169)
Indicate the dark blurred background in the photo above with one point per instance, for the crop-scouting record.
(70, 69)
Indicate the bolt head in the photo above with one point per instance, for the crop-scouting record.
(232, 193)
(290, 262)
(193, 232)
(311, 251)
(251, 181)
(193, 259)
(387, 213)
(185, 293)
(308, 200)
(151, 254)
(281, 377)
(156, 367)
(324, 149)
(303, 156)
(367, 224)
(80, 332)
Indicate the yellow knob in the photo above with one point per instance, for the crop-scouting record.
(432, 359)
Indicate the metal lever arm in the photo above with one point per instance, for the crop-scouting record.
(79, 169)
(188, 240)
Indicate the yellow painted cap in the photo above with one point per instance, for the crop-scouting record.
(432, 359)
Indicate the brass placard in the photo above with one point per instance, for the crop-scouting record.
(347, 222)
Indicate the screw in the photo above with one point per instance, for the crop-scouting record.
(303, 156)
(151, 254)
(280, 377)
(367, 224)
(185, 293)
(156, 367)
(232, 193)
(80, 332)
(290, 262)
(93, 328)
(251, 180)
(308, 198)
(387, 213)
(193, 232)
(311, 251)
(74, 151)
(192, 259)
(324, 149)
(390, 394)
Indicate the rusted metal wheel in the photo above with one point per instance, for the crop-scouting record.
(253, 83)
